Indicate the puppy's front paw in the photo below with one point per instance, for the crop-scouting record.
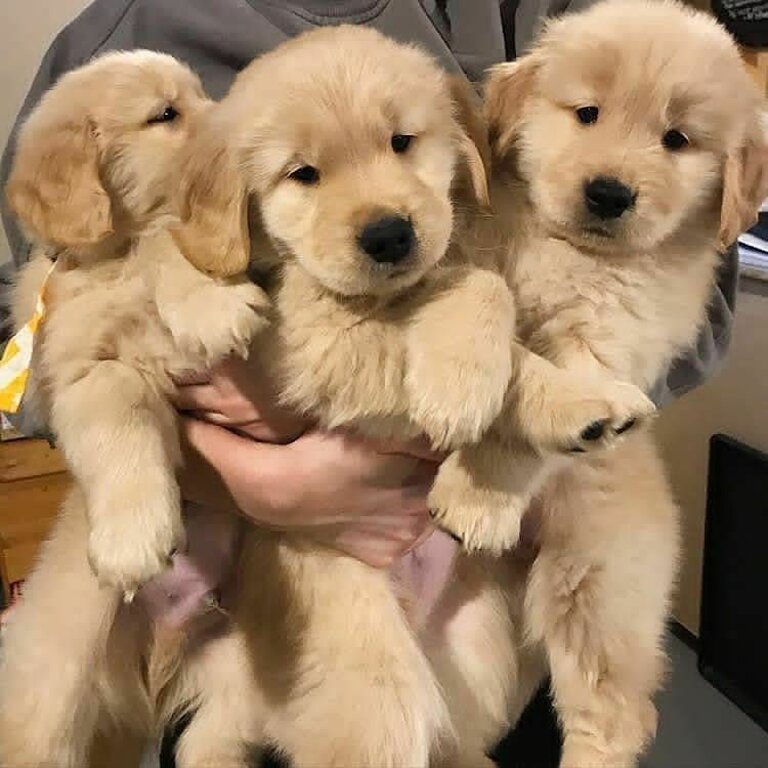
(479, 515)
(218, 320)
(455, 402)
(625, 407)
(584, 415)
(460, 357)
(134, 540)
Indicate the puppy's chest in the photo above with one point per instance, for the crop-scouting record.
(341, 361)
(550, 280)
(631, 314)
(102, 314)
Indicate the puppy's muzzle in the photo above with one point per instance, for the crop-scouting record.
(389, 240)
(607, 198)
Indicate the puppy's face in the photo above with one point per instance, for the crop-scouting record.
(93, 157)
(352, 159)
(349, 143)
(623, 120)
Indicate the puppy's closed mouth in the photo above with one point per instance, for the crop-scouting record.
(595, 230)
(391, 271)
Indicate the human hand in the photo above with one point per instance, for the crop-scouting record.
(364, 498)
(239, 396)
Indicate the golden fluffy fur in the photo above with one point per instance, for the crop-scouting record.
(616, 298)
(335, 99)
(444, 694)
(358, 344)
(123, 303)
(318, 642)
(89, 182)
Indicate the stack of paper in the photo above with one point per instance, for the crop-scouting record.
(753, 245)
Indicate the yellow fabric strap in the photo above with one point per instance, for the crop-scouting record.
(17, 357)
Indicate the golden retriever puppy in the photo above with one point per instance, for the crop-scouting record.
(126, 311)
(629, 148)
(89, 183)
(347, 151)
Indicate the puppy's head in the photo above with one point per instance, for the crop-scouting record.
(93, 156)
(630, 121)
(350, 143)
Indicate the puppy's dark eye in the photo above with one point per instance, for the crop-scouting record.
(674, 140)
(306, 174)
(587, 115)
(400, 142)
(168, 115)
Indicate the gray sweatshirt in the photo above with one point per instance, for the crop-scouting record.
(218, 38)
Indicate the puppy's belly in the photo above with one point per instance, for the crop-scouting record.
(192, 586)
(422, 575)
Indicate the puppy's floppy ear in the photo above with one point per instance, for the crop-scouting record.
(212, 204)
(745, 182)
(473, 137)
(55, 187)
(507, 87)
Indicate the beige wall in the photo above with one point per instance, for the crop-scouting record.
(736, 403)
(26, 29)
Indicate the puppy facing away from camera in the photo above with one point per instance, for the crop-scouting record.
(124, 315)
(629, 149)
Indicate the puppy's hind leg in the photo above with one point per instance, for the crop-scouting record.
(228, 723)
(52, 651)
(364, 694)
(472, 645)
(597, 599)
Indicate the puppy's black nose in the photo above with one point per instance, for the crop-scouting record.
(607, 198)
(388, 240)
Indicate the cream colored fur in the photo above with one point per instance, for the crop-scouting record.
(619, 303)
(343, 350)
(357, 346)
(336, 312)
(89, 182)
(378, 87)
(321, 658)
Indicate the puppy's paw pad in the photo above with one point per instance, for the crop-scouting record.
(624, 408)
